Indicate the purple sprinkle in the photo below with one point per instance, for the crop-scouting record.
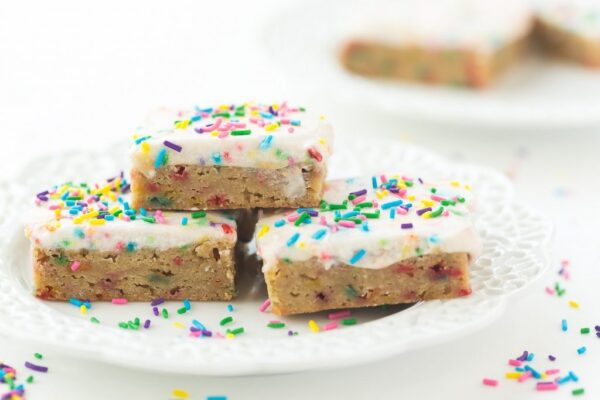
(551, 358)
(155, 311)
(423, 210)
(312, 213)
(111, 179)
(198, 130)
(597, 327)
(173, 146)
(359, 192)
(42, 197)
(406, 226)
(206, 333)
(157, 302)
(290, 333)
(125, 188)
(394, 189)
(34, 367)
(420, 180)
(194, 329)
(147, 324)
(523, 357)
(598, 334)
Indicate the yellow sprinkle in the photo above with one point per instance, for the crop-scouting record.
(322, 140)
(57, 212)
(178, 325)
(467, 187)
(454, 183)
(91, 214)
(275, 106)
(271, 127)
(573, 304)
(427, 215)
(229, 335)
(513, 375)
(263, 231)
(83, 309)
(97, 222)
(182, 124)
(114, 209)
(78, 220)
(223, 107)
(322, 117)
(254, 112)
(135, 136)
(427, 203)
(411, 197)
(544, 375)
(180, 394)
(301, 245)
(379, 194)
(313, 326)
(145, 147)
(215, 133)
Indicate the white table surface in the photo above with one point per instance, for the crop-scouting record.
(75, 75)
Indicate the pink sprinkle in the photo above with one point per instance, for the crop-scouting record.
(490, 382)
(225, 127)
(359, 199)
(238, 125)
(383, 179)
(223, 135)
(401, 210)
(293, 217)
(550, 291)
(253, 120)
(445, 213)
(514, 363)
(323, 220)
(219, 335)
(261, 123)
(339, 314)
(102, 206)
(566, 275)
(526, 375)
(347, 224)
(402, 193)
(54, 207)
(284, 121)
(196, 333)
(75, 266)
(334, 228)
(546, 386)
(552, 371)
(330, 326)
(119, 301)
(263, 307)
(291, 129)
(126, 218)
(435, 197)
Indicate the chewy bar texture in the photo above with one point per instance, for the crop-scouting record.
(89, 244)
(373, 241)
(570, 29)
(450, 42)
(230, 156)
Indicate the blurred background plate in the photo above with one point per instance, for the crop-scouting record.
(537, 93)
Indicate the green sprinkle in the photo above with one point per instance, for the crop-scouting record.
(433, 190)
(94, 320)
(323, 205)
(355, 220)
(437, 212)
(165, 313)
(351, 292)
(182, 310)
(460, 199)
(123, 325)
(352, 196)
(349, 321)
(301, 218)
(38, 356)
(226, 321)
(236, 331)
(29, 379)
(241, 132)
(133, 325)
(585, 331)
(364, 204)
(275, 325)
(149, 219)
(371, 215)
(342, 206)
(221, 114)
(578, 392)
(448, 202)
(198, 214)
(240, 113)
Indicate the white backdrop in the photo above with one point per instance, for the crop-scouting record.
(73, 75)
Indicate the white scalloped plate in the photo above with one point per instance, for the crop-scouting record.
(515, 253)
(538, 92)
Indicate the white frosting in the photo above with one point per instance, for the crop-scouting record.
(385, 242)
(51, 225)
(482, 25)
(293, 133)
(581, 17)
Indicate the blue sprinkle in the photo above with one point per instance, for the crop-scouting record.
(160, 158)
(365, 226)
(338, 214)
(186, 304)
(131, 246)
(130, 212)
(216, 158)
(266, 143)
(74, 211)
(230, 307)
(573, 377)
(69, 203)
(391, 204)
(295, 122)
(392, 213)
(530, 356)
(198, 325)
(350, 214)
(109, 217)
(184, 221)
(374, 182)
(434, 239)
(535, 373)
(126, 205)
(279, 223)
(520, 369)
(564, 379)
(140, 140)
(79, 233)
(75, 302)
(319, 234)
(196, 118)
(143, 211)
(65, 195)
(357, 256)
(581, 350)
(564, 325)
(293, 239)
(266, 115)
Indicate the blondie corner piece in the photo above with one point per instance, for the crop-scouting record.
(89, 244)
(231, 156)
(446, 42)
(570, 29)
(372, 241)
